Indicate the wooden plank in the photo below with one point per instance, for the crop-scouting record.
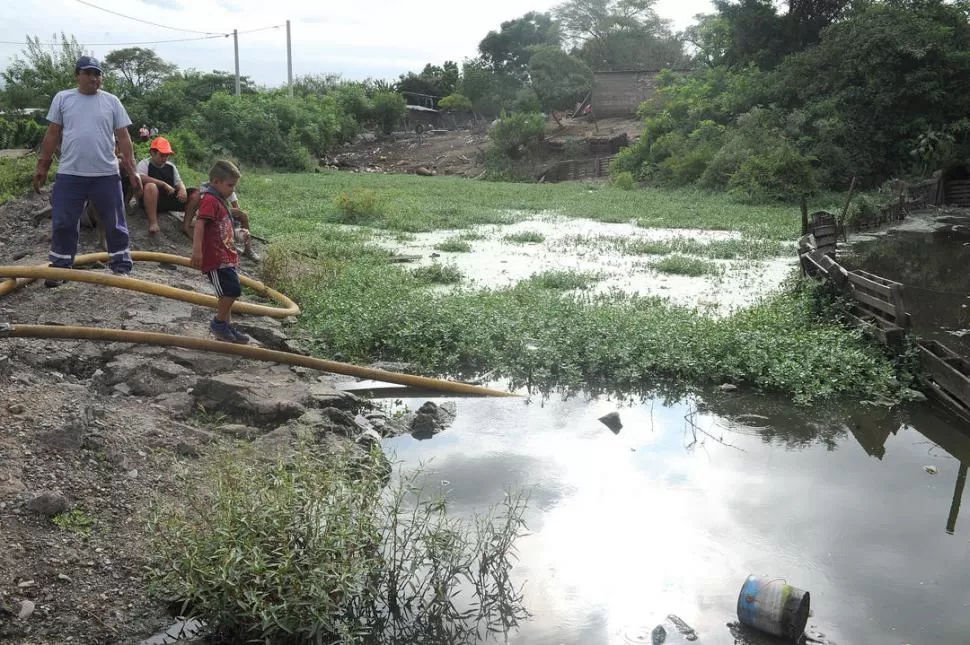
(872, 301)
(950, 404)
(825, 240)
(856, 278)
(902, 317)
(948, 377)
(828, 229)
(868, 327)
(813, 267)
(877, 278)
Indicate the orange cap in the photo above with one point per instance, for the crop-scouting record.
(162, 145)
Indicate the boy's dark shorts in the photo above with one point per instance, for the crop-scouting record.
(226, 282)
(168, 202)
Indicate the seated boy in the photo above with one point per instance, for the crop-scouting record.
(214, 251)
(163, 187)
(240, 221)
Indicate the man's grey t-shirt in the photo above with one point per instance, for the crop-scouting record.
(88, 138)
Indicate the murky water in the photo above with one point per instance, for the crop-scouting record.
(572, 244)
(861, 507)
(930, 256)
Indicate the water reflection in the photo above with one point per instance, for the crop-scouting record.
(932, 264)
(672, 513)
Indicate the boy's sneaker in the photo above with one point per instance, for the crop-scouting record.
(241, 338)
(222, 331)
(225, 332)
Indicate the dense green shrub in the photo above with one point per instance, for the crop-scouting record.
(271, 128)
(513, 136)
(778, 174)
(317, 550)
(389, 110)
(16, 175)
(623, 180)
(20, 132)
(455, 103)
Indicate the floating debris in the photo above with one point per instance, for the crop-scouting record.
(612, 421)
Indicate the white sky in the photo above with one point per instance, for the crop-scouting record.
(357, 39)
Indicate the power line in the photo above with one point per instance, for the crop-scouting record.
(249, 31)
(147, 22)
(150, 42)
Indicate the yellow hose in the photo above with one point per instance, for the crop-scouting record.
(19, 275)
(258, 353)
(289, 308)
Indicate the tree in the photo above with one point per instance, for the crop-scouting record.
(559, 79)
(389, 110)
(137, 70)
(316, 84)
(619, 34)
(892, 72)
(432, 81)
(44, 70)
(490, 92)
(710, 37)
(754, 33)
(508, 50)
(583, 20)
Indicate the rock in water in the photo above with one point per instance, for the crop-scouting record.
(612, 421)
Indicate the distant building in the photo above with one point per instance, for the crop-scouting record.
(422, 118)
(621, 93)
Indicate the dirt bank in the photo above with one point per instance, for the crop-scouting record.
(89, 433)
(460, 152)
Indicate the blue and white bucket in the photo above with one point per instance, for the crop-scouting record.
(773, 606)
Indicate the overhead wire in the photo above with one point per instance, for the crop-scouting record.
(143, 42)
(147, 22)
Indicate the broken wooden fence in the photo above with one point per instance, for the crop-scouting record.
(576, 169)
(879, 309)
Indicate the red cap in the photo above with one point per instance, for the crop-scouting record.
(162, 145)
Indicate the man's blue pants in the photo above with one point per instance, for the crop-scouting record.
(70, 194)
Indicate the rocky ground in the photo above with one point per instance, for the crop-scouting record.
(91, 432)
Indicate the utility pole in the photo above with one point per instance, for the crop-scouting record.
(235, 42)
(289, 59)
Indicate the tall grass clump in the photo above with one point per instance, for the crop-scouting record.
(438, 274)
(318, 550)
(525, 237)
(684, 265)
(563, 280)
(359, 206)
(453, 245)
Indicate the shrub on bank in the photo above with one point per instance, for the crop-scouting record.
(319, 550)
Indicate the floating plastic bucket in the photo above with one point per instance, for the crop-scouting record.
(773, 606)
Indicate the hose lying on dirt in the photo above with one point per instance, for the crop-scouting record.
(27, 274)
(289, 308)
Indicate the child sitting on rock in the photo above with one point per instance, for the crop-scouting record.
(214, 249)
(164, 190)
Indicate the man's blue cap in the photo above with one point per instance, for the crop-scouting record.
(88, 62)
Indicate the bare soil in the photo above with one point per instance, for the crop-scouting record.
(90, 433)
(459, 152)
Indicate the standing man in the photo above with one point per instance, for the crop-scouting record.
(84, 123)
